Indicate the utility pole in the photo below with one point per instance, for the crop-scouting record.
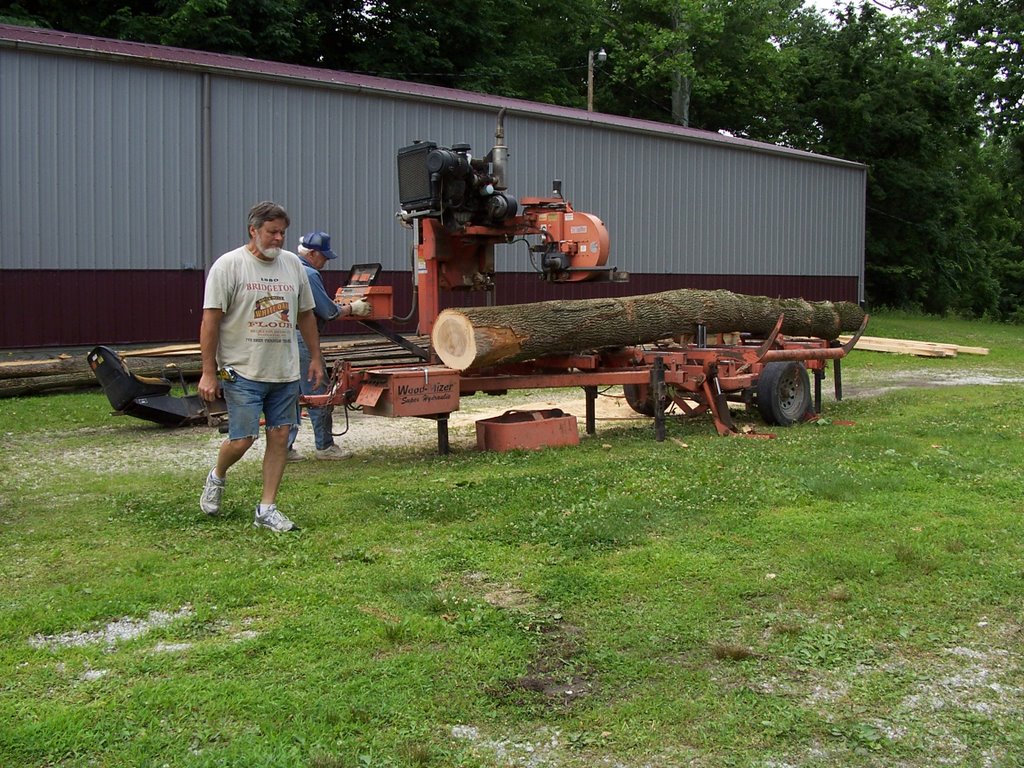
(602, 57)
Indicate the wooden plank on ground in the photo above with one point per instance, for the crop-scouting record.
(913, 347)
(899, 347)
(171, 349)
(971, 350)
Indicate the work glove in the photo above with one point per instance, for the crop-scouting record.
(360, 308)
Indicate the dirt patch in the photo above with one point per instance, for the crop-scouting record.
(946, 689)
(151, 448)
(125, 628)
(363, 433)
(148, 447)
(543, 748)
(556, 677)
(896, 380)
(510, 598)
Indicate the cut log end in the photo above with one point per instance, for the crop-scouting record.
(462, 342)
(453, 340)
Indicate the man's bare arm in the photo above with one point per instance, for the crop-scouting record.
(209, 338)
(310, 335)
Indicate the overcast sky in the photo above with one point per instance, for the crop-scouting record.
(826, 5)
(822, 5)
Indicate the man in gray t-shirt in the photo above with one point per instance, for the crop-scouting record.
(255, 298)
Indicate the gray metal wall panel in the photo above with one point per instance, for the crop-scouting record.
(671, 206)
(99, 164)
(101, 161)
(328, 157)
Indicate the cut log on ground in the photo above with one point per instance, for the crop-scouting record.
(64, 372)
(82, 376)
(478, 337)
(23, 369)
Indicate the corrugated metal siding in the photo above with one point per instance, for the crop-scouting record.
(100, 163)
(328, 157)
(102, 171)
(519, 288)
(670, 207)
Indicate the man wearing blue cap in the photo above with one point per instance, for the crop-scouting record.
(314, 252)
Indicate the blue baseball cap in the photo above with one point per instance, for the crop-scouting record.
(318, 241)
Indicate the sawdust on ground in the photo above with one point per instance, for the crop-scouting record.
(146, 445)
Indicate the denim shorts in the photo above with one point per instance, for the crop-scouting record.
(247, 400)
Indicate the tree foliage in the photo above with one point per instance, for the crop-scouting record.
(985, 38)
(712, 65)
(510, 49)
(865, 95)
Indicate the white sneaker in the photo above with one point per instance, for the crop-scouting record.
(294, 455)
(273, 519)
(209, 502)
(333, 452)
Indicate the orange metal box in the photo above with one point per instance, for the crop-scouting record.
(428, 390)
(379, 296)
(527, 430)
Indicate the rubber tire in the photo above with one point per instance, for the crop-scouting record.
(783, 393)
(639, 398)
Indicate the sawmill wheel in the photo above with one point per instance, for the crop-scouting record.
(783, 393)
(639, 398)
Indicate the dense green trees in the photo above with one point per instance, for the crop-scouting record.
(984, 37)
(711, 65)
(866, 95)
(930, 99)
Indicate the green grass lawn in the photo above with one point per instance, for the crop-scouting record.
(843, 595)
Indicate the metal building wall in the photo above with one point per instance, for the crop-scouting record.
(679, 206)
(123, 178)
(98, 161)
(104, 156)
(672, 207)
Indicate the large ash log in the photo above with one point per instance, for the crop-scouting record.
(477, 337)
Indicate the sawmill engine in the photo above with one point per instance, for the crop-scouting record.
(448, 183)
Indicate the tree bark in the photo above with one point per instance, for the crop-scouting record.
(75, 373)
(478, 337)
(23, 369)
(27, 377)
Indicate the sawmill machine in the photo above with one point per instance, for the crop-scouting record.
(459, 208)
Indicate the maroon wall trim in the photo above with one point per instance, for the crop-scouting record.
(44, 308)
(54, 308)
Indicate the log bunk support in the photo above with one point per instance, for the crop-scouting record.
(698, 378)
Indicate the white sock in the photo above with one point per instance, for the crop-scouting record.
(264, 508)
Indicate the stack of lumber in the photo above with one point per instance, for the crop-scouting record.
(370, 352)
(912, 347)
(64, 372)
